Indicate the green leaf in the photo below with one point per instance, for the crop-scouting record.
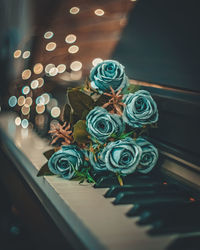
(123, 135)
(44, 170)
(120, 180)
(81, 104)
(80, 133)
(132, 88)
(67, 112)
(102, 100)
(49, 153)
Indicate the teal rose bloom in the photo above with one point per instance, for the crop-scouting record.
(97, 160)
(122, 156)
(101, 124)
(149, 156)
(65, 161)
(140, 109)
(106, 74)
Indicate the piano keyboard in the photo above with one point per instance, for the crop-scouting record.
(149, 212)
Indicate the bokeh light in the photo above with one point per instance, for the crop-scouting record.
(34, 84)
(48, 67)
(46, 97)
(76, 66)
(55, 112)
(25, 109)
(48, 35)
(61, 68)
(38, 68)
(25, 90)
(26, 54)
(74, 10)
(96, 61)
(21, 100)
(40, 108)
(53, 71)
(40, 82)
(17, 53)
(73, 49)
(12, 101)
(17, 121)
(99, 12)
(24, 123)
(50, 46)
(26, 74)
(71, 38)
(29, 101)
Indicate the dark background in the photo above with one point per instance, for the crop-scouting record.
(161, 43)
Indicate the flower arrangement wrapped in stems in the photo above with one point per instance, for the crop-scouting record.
(104, 134)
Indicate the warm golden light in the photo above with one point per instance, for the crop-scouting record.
(48, 35)
(74, 10)
(26, 54)
(53, 71)
(17, 53)
(25, 109)
(17, 121)
(71, 38)
(28, 101)
(61, 68)
(40, 82)
(96, 61)
(48, 67)
(34, 84)
(21, 100)
(73, 49)
(40, 108)
(76, 66)
(55, 112)
(38, 68)
(99, 12)
(25, 90)
(26, 74)
(50, 46)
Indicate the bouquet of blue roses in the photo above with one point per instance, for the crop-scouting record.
(103, 126)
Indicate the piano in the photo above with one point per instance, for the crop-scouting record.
(159, 211)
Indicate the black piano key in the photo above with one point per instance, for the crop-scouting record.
(186, 243)
(150, 215)
(183, 220)
(154, 185)
(132, 197)
(138, 208)
(108, 181)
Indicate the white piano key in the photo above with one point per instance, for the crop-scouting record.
(93, 218)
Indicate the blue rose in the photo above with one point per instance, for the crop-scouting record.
(101, 124)
(149, 156)
(65, 161)
(97, 159)
(106, 74)
(140, 109)
(122, 156)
